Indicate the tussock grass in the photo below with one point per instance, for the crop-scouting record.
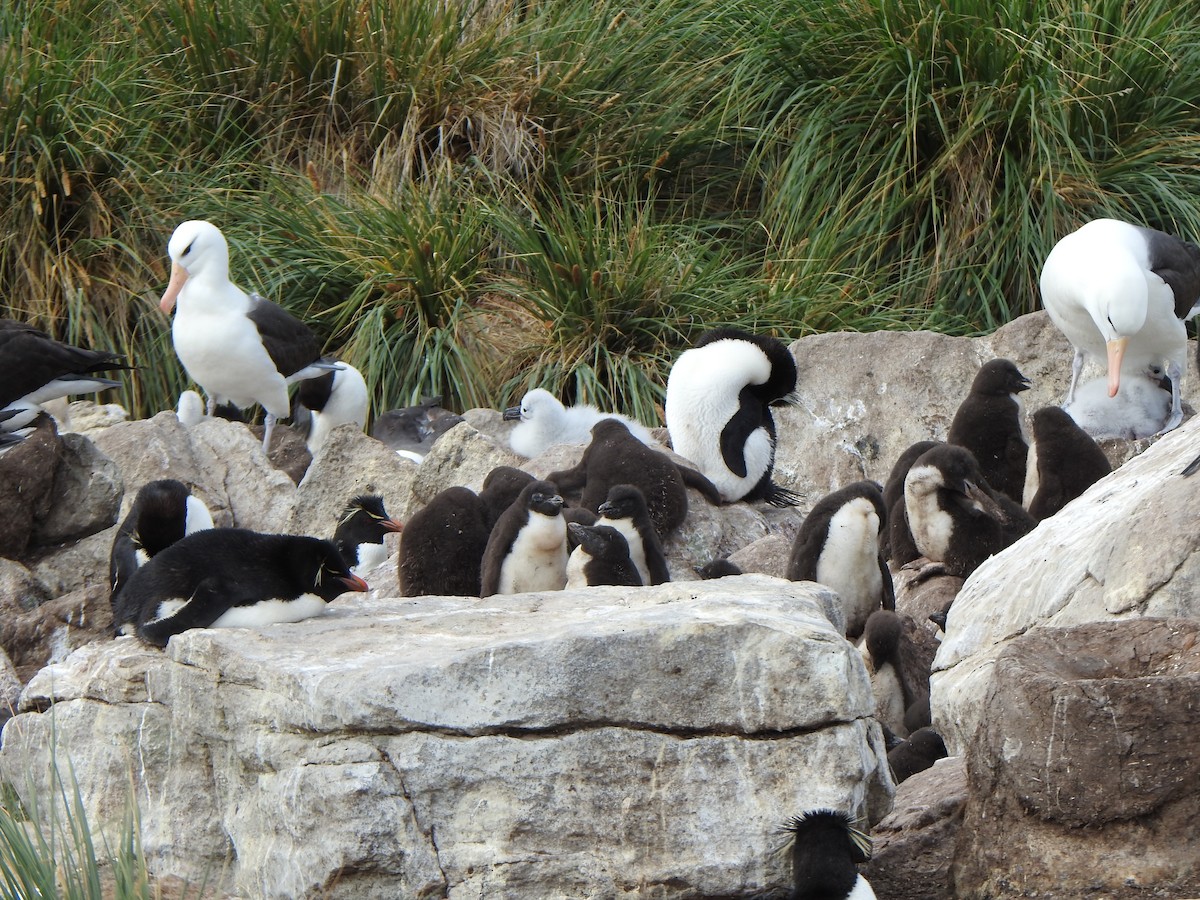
(472, 197)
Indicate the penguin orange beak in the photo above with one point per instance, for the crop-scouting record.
(178, 276)
(1116, 353)
(354, 583)
(391, 525)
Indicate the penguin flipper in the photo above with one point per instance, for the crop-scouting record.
(889, 588)
(737, 431)
(212, 597)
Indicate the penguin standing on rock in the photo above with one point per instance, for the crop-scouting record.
(988, 423)
(616, 457)
(719, 395)
(625, 510)
(1064, 461)
(826, 850)
(360, 533)
(527, 549)
(163, 512)
(442, 545)
(601, 556)
(233, 578)
(838, 546)
(899, 671)
(957, 521)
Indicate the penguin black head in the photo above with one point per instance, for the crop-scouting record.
(624, 501)
(954, 467)
(826, 849)
(600, 541)
(718, 568)
(363, 521)
(542, 497)
(999, 376)
(160, 514)
(318, 568)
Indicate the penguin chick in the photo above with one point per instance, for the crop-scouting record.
(163, 512)
(826, 850)
(955, 518)
(542, 422)
(360, 533)
(988, 422)
(616, 457)
(527, 549)
(838, 546)
(719, 395)
(600, 557)
(625, 510)
(717, 568)
(1064, 462)
(915, 754)
(231, 578)
(898, 669)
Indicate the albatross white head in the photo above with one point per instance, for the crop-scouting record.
(197, 248)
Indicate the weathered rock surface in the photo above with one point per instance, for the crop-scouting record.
(542, 745)
(914, 844)
(1128, 547)
(1086, 751)
(86, 493)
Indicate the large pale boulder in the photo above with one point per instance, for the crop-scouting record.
(1127, 547)
(577, 743)
(1086, 751)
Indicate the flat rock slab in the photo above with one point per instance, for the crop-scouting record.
(580, 743)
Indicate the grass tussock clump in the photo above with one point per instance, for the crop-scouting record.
(470, 198)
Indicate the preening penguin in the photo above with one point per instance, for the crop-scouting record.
(163, 512)
(988, 422)
(616, 457)
(625, 510)
(1064, 462)
(838, 546)
(360, 533)
(1122, 293)
(527, 549)
(899, 669)
(600, 557)
(542, 422)
(233, 578)
(826, 850)
(954, 516)
(719, 395)
(238, 347)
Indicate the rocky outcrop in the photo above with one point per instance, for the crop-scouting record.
(1128, 547)
(1085, 751)
(588, 743)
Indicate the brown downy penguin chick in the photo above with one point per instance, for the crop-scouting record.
(442, 545)
(899, 671)
(957, 521)
(838, 546)
(717, 568)
(616, 457)
(625, 510)
(916, 753)
(898, 546)
(527, 549)
(601, 556)
(988, 423)
(1064, 461)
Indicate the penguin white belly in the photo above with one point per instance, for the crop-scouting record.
(271, 612)
(369, 556)
(849, 563)
(931, 526)
(888, 693)
(225, 355)
(637, 550)
(575, 563)
(861, 890)
(537, 560)
(1032, 478)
